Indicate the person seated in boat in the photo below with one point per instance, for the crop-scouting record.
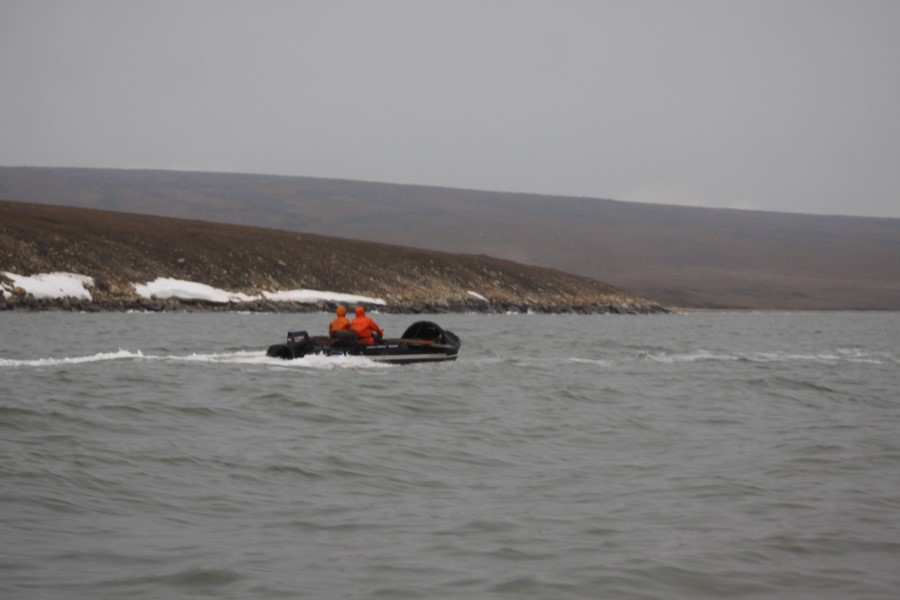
(366, 329)
(339, 323)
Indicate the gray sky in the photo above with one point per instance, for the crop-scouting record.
(787, 105)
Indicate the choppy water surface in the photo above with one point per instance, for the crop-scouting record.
(678, 456)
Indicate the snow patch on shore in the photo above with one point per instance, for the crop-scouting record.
(71, 285)
(166, 287)
(52, 285)
(316, 295)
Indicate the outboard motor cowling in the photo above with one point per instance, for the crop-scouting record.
(297, 345)
(297, 337)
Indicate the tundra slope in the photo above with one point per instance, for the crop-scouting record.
(678, 256)
(119, 249)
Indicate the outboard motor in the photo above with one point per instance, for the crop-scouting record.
(297, 337)
(297, 345)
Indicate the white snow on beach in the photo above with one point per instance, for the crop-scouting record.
(70, 285)
(477, 295)
(316, 295)
(166, 287)
(52, 285)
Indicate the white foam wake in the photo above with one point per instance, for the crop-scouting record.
(841, 355)
(246, 357)
(71, 360)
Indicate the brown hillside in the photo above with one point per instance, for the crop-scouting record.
(117, 249)
(678, 256)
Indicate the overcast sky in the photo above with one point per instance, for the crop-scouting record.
(762, 104)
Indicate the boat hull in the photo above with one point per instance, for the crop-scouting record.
(422, 342)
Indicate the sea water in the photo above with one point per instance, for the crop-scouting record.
(672, 456)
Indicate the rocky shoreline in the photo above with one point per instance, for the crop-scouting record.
(22, 302)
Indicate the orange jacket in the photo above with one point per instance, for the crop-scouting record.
(339, 324)
(364, 326)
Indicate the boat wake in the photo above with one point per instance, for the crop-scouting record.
(314, 361)
(841, 355)
(73, 360)
(240, 357)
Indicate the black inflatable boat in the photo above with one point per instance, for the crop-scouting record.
(423, 341)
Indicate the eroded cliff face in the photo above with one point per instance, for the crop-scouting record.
(119, 249)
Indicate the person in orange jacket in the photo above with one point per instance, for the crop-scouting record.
(340, 323)
(365, 327)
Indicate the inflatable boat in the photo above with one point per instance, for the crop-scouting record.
(423, 341)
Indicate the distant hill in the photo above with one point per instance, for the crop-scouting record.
(678, 256)
(118, 249)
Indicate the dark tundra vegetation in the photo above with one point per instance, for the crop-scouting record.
(118, 249)
(678, 256)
